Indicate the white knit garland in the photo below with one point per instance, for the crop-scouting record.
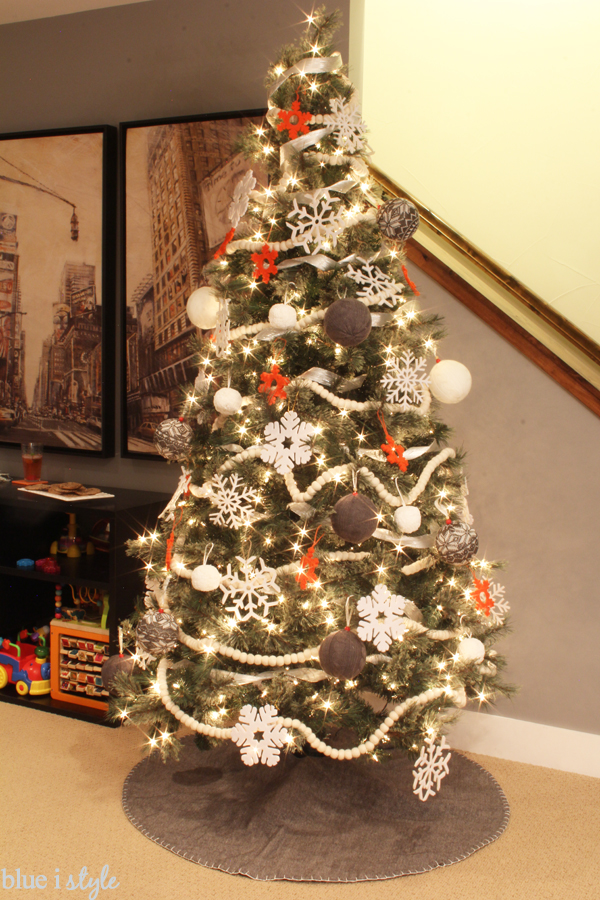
(371, 479)
(359, 750)
(419, 566)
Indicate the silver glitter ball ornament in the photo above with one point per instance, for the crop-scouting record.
(173, 439)
(157, 632)
(457, 543)
(398, 219)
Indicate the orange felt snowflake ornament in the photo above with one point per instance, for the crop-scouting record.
(480, 595)
(273, 385)
(294, 120)
(393, 451)
(265, 263)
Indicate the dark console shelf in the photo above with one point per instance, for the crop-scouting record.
(29, 523)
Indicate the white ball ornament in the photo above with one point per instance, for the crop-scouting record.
(227, 401)
(449, 381)
(282, 315)
(471, 650)
(206, 578)
(202, 308)
(407, 519)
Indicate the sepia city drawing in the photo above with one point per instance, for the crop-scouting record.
(51, 202)
(179, 183)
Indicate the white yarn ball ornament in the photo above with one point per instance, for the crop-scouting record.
(202, 308)
(282, 315)
(227, 401)
(407, 519)
(471, 650)
(206, 578)
(449, 381)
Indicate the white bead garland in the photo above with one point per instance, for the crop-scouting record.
(225, 733)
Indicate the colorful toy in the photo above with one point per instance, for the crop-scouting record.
(69, 543)
(47, 565)
(90, 606)
(25, 666)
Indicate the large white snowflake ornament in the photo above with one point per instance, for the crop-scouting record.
(287, 442)
(405, 380)
(234, 500)
(430, 768)
(375, 287)
(259, 734)
(241, 195)
(381, 617)
(348, 125)
(252, 595)
(319, 225)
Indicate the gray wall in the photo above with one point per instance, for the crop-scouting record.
(532, 447)
(534, 492)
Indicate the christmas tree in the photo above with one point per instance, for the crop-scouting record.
(314, 582)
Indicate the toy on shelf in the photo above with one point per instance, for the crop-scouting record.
(70, 543)
(25, 666)
(25, 563)
(78, 655)
(47, 565)
(90, 607)
(100, 535)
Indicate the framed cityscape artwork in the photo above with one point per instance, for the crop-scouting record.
(57, 211)
(178, 181)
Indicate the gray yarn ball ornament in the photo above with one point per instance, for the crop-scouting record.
(457, 543)
(173, 439)
(347, 322)
(115, 665)
(398, 219)
(354, 518)
(157, 633)
(342, 654)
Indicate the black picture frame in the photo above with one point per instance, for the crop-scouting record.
(57, 316)
(177, 225)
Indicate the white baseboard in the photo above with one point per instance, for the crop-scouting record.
(528, 742)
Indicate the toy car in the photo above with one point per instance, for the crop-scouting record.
(25, 666)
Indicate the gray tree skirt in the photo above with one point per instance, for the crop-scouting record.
(312, 818)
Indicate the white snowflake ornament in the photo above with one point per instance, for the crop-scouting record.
(322, 224)
(233, 499)
(287, 442)
(253, 595)
(241, 196)
(405, 380)
(381, 617)
(430, 768)
(348, 125)
(264, 722)
(500, 609)
(375, 287)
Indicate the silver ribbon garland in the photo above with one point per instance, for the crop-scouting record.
(310, 65)
(220, 676)
(417, 543)
(327, 378)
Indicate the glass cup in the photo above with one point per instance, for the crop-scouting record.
(32, 461)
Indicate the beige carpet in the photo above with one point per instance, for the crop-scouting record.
(61, 783)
